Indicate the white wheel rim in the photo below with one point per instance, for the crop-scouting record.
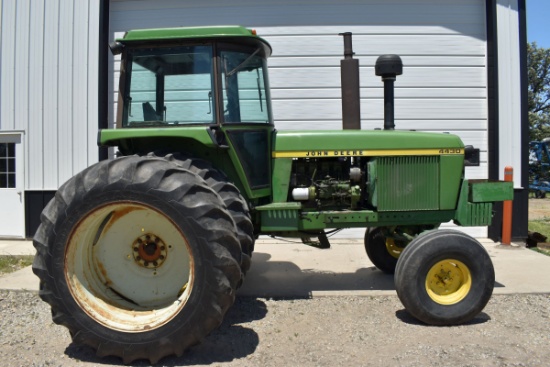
(116, 287)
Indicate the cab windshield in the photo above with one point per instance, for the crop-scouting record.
(169, 86)
(172, 86)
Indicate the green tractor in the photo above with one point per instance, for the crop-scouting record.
(140, 256)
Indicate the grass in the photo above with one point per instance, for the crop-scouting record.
(11, 263)
(541, 226)
(541, 250)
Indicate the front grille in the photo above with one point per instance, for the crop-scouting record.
(408, 183)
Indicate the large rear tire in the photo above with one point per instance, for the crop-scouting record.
(138, 258)
(444, 277)
(232, 198)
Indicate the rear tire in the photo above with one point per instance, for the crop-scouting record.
(138, 258)
(232, 198)
(444, 277)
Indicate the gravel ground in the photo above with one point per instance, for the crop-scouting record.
(325, 331)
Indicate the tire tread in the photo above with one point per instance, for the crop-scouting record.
(142, 173)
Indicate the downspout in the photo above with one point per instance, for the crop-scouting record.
(103, 73)
(521, 204)
(495, 229)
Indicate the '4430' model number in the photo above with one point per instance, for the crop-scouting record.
(450, 151)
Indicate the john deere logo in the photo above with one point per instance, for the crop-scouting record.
(365, 152)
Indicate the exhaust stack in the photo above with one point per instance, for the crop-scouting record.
(349, 69)
(388, 67)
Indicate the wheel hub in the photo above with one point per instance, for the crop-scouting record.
(149, 251)
(448, 282)
(121, 275)
(393, 249)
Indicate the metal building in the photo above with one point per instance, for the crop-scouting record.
(464, 73)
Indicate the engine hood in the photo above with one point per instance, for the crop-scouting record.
(331, 143)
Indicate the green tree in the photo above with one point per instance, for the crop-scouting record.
(538, 71)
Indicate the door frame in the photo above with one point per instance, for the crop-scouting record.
(17, 137)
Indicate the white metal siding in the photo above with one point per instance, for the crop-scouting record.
(49, 55)
(48, 85)
(442, 43)
(509, 87)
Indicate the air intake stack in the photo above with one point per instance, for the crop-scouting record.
(351, 102)
(388, 67)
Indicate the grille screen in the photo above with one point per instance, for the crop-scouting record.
(408, 183)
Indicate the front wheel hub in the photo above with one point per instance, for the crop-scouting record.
(393, 249)
(448, 282)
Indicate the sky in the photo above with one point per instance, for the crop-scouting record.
(538, 22)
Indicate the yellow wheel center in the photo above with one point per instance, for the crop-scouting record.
(448, 282)
(392, 248)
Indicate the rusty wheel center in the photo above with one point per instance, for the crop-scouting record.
(149, 251)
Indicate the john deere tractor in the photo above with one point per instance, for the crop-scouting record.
(140, 256)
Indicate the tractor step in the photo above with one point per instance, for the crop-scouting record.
(323, 242)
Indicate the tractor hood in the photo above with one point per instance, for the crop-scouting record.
(332, 143)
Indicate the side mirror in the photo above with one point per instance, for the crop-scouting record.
(116, 47)
(471, 156)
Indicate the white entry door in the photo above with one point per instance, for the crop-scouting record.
(12, 198)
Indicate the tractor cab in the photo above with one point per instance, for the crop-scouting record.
(196, 82)
(210, 80)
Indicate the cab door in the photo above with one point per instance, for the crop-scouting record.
(246, 116)
(249, 150)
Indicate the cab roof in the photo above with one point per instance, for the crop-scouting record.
(160, 34)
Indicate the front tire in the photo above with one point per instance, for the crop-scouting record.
(382, 251)
(444, 277)
(138, 258)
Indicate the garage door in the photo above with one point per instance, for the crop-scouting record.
(442, 44)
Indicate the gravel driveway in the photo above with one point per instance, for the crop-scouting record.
(513, 330)
(324, 331)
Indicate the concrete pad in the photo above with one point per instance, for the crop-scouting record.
(518, 269)
(23, 279)
(283, 269)
(16, 247)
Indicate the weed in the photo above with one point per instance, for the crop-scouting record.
(11, 263)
